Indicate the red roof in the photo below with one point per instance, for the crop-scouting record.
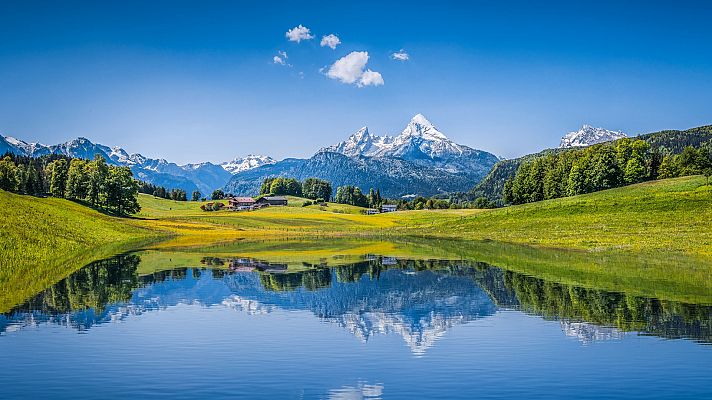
(243, 200)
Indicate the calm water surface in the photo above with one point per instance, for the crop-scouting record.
(379, 328)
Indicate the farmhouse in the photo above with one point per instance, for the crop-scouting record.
(388, 208)
(272, 201)
(240, 203)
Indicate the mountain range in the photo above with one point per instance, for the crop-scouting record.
(204, 177)
(421, 160)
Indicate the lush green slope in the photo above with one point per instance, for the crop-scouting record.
(44, 239)
(672, 141)
(671, 215)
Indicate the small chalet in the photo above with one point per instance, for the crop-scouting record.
(388, 208)
(272, 201)
(241, 202)
(372, 211)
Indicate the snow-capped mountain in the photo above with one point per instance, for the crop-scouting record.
(589, 135)
(421, 160)
(420, 139)
(246, 163)
(204, 177)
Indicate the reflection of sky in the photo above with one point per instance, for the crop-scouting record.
(193, 351)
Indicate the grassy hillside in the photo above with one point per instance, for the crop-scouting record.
(665, 215)
(672, 215)
(672, 141)
(44, 239)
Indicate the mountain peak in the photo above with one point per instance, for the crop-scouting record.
(421, 120)
(250, 161)
(588, 135)
(419, 126)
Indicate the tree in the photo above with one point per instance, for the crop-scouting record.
(97, 172)
(351, 195)
(121, 191)
(577, 184)
(217, 195)
(314, 189)
(266, 186)
(196, 195)
(8, 175)
(77, 179)
(635, 170)
(58, 177)
(668, 167)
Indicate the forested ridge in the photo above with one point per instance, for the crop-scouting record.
(669, 143)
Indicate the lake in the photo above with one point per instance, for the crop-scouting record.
(290, 321)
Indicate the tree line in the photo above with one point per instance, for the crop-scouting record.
(111, 188)
(169, 194)
(311, 188)
(602, 166)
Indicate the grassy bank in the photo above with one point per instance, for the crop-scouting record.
(44, 239)
(672, 215)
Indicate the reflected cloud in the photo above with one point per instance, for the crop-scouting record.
(360, 391)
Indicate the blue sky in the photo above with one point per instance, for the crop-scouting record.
(197, 82)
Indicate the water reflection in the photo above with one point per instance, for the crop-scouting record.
(419, 300)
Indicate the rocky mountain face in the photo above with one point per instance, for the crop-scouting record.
(589, 135)
(420, 160)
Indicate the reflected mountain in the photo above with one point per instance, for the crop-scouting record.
(419, 300)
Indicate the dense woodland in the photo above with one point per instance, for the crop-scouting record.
(103, 186)
(311, 188)
(600, 167)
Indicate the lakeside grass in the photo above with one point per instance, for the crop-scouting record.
(672, 215)
(42, 240)
(666, 223)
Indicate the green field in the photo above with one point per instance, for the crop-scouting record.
(44, 239)
(666, 223)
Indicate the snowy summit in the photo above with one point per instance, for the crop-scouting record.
(420, 137)
(589, 135)
(246, 163)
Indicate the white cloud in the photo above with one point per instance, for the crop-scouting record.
(330, 40)
(299, 33)
(350, 69)
(400, 55)
(281, 58)
(370, 78)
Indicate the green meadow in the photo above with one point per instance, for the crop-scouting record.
(654, 238)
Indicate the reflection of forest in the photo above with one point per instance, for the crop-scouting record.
(113, 281)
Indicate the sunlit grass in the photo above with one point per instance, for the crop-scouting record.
(45, 239)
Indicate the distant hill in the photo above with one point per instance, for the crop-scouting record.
(668, 141)
(420, 160)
